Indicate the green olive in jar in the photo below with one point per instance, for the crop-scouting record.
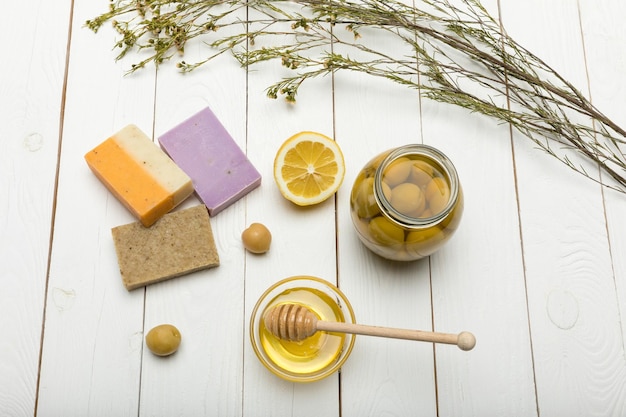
(368, 207)
(408, 199)
(397, 172)
(437, 194)
(421, 173)
(163, 340)
(424, 242)
(385, 231)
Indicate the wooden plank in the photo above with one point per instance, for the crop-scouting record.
(382, 376)
(30, 95)
(477, 279)
(303, 238)
(205, 376)
(94, 327)
(603, 40)
(572, 298)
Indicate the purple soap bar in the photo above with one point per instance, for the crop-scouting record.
(221, 173)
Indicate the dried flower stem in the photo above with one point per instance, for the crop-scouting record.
(453, 54)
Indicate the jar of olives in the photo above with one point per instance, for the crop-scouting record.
(406, 202)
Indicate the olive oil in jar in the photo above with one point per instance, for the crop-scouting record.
(406, 202)
(314, 353)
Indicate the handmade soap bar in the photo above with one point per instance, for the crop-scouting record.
(220, 171)
(179, 243)
(139, 174)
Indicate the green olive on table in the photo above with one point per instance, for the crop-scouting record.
(256, 238)
(163, 340)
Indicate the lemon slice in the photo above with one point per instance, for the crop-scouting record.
(308, 168)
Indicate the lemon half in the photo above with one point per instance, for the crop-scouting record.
(309, 168)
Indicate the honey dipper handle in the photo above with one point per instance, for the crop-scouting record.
(464, 340)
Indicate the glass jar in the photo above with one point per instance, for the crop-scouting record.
(406, 202)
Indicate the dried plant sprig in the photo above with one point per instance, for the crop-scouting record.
(452, 54)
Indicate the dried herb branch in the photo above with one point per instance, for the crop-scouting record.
(452, 54)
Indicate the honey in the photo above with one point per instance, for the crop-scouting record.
(406, 202)
(315, 352)
(316, 356)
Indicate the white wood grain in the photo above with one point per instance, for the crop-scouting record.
(205, 376)
(602, 38)
(31, 91)
(303, 238)
(382, 377)
(571, 289)
(93, 331)
(536, 272)
(599, 22)
(477, 279)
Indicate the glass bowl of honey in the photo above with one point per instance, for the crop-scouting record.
(407, 202)
(317, 356)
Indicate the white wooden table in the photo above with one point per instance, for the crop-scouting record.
(537, 269)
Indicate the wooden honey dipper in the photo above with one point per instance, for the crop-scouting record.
(295, 322)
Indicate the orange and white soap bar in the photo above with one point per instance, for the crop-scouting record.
(139, 174)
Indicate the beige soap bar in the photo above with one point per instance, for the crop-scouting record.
(139, 174)
(179, 243)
